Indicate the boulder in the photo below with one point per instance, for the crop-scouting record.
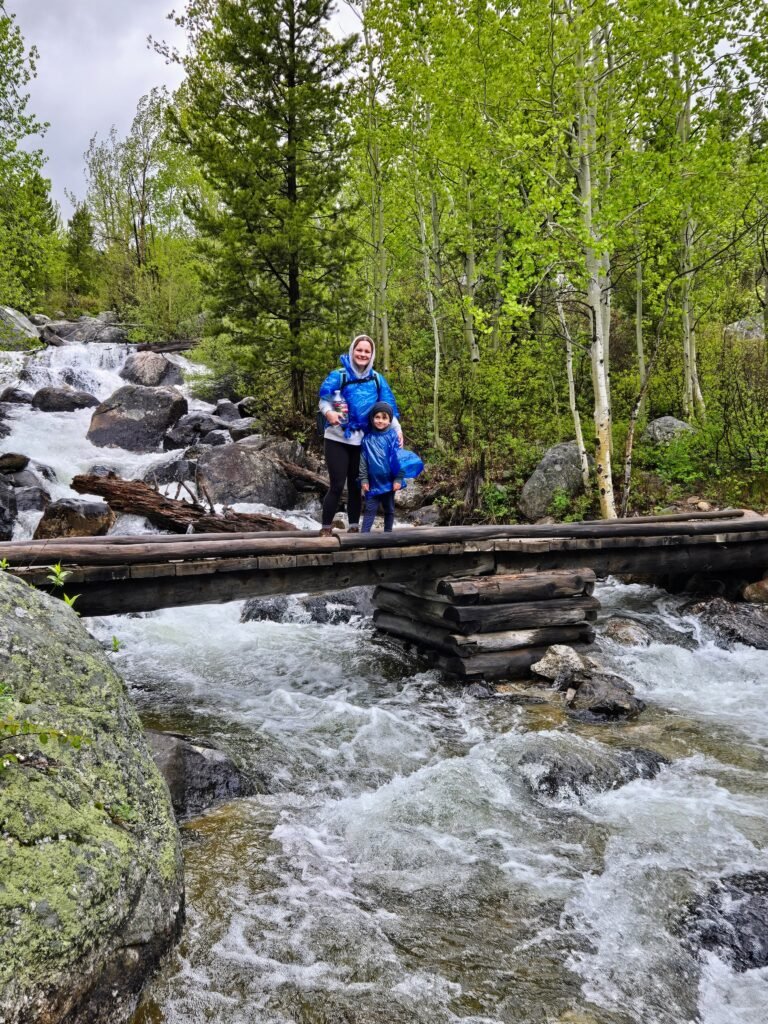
(24, 478)
(733, 622)
(279, 447)
(16, 331)
(558, 662)
(216, 437)
(227, 410)
(626, 632)
(92, 889)
(75, 517)
(338, 606)
(39, 319)
(191, 428)
(197, 775)
(565, 770)
(170, 472)
(151, 369)
(751, 328)
(62, 399)
(88, 329)
(429, 515)
(248, 406)
(731, 921)
(242, 428)
(13, 462)
(17, 396)
(32, 499)
(136, 418)
(602, 696)
(8, 510)
(558, 471)
(237, 473)
(410, 497)
(664, 429)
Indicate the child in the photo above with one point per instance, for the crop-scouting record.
(383, 466)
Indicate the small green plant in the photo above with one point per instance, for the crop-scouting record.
(117, 644)
(122, 813)
(70, 600)
(57, 577)
(4, 563)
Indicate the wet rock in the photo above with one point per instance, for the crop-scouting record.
(570, 771)
(756, 593)
(87, 330)
(25, 478)
(46, 472)
(136, 418)
(92, 876)
(39, 319)
(16, 396)
(731, 921)
(52, 339)
(13, 462)
(8, 510)
(198, 775)
(558, 471)
(191, 428)
(16, 331)
(279, 448)
(32, 499)
(151, 370)
(429, 515)
(62, 399)
(410, 497)
(217, 437)
(732, 622)
(333, 608)
(664, 429)
(602, 696)
(265, 609)
(626, 632)
(74, 517)
(238, 473)
(248, 406)
(477, 691)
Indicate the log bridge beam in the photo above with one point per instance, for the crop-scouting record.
(115, 575)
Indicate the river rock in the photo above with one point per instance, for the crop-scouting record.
(151, 369)
(75, 517)
(559, 661)
(39, 319)
(338, 606)
(91, 890)
(88, 329)
(558, 471)
(626, 632)
(602, 696)
(756, 593)
(410, 497)
(568, 771)
(16, 396)
(170, 472)
(32, 499)
(429, 515)
(733, 622)
(280, 448)
(217, 437)
(136, 418)
(227, 410)
(248, 406)
(243, 427)
(62, 399)
(13, 462)
(8, 510)
(731, 921)
(237, 473)
(16, 331)
(198, 776)
(267, 609)
(664, 429)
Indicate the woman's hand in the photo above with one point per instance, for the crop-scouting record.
(365, 488)
(333, 418)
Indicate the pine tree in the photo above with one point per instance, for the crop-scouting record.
(262, 117)
(81, 255)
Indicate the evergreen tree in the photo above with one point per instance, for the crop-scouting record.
(264, 93)
(80, 252)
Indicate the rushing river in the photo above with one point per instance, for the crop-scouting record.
(396, 864)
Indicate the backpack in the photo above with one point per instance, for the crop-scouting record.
(320, 420)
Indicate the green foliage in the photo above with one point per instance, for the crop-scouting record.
(117, 644)
(57, 576)
(13, 728)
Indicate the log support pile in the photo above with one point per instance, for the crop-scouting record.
(494, 627)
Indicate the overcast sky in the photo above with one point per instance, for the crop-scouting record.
(94, 65)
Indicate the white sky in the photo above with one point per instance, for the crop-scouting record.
(93, 67)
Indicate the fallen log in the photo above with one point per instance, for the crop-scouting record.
(135, 497)
(531, 586)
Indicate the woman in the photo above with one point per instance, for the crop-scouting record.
(360, 389)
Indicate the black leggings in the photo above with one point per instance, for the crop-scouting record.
(343, 462)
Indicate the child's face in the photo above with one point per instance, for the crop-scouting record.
(380, 420)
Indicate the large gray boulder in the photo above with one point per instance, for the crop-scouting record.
(136, 418)
(91, 874)
(664, 429)
(191, 429)
(197, 775)
(734, 622)
(239, 473)
(87, 329)
(62, 399)
(558, 471)
(16, 331)
(75, 517)
(151, 369)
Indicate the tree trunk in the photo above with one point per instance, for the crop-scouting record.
(572, 385)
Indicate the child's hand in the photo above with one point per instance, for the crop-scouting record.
(400, 439)
(365, 488)
(397, 486)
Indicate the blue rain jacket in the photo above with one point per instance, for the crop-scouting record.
(388, 462)
(359, 397)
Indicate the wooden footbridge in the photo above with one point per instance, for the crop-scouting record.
(116, 574)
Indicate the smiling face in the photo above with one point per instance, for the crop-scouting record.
(381, 421)
(362, 353)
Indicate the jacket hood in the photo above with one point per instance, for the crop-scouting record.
(349, 366)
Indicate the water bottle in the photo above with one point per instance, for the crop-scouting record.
(340, 406)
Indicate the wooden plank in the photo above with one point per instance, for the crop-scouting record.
(152, 570)
(415, 632)
(499, 665)
(513, 639)
(504, 588)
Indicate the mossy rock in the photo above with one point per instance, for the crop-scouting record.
(91, 874)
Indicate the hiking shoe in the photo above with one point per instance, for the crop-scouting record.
(353, 529)
(326, 531)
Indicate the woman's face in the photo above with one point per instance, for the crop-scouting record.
(361, 354)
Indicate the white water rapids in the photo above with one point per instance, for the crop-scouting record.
(397, 866)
